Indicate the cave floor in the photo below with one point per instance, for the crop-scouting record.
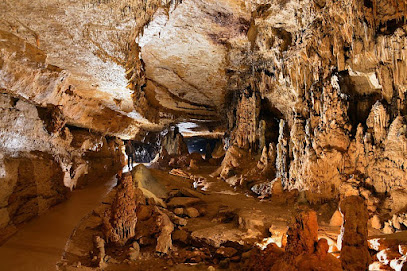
(39, 244)
(229, 216)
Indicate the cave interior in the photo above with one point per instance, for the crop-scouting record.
(203, 135)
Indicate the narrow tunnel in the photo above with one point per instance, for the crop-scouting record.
(203, 135)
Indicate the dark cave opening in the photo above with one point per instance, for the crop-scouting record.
(272, 116)
(360, 102)
(199, 144)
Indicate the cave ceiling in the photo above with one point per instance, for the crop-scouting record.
(185, 48)
(191, 56)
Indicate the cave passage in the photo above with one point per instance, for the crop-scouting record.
(203, 135)
(40, 243)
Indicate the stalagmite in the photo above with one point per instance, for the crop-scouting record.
(120, 221)
(378, 122)
(353, 239)
(282, 155)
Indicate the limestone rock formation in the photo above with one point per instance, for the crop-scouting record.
(303, 234)
(42, 159)
(164, 240)
(354, 247)
(174, 143)
(150, 187)
(120, 220)
(309, 97)
(303, 250)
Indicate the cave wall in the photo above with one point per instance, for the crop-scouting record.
(321, 84)
(42, 160)
(336, 71)
(25, 72)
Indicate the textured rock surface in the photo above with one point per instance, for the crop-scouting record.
(303, 234)
(303, 250)
(38, 167)
(354, 247)
(120, 220)
(311, 94)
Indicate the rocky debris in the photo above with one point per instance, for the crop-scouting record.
(225, 214)
(273, 189)
(179, 211)
(397, 200)
(180, 173)
(353, 238)
(262, 189)
(375, 223)
(382, 243)
(191, 212)
(397, 223)
(182, 160)
(389, 253)
(180, 236)
(120, 220)
(218, 235)
(303, 250)
(254, 222)
(179, 221)
(232, 161)
(192, 255)
(263, 260)
(199, 181)
(276, 187)
(226, 252)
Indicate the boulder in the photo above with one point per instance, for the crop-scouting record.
(336, 219)
(191, 212)
(375, 222)
(143, 179)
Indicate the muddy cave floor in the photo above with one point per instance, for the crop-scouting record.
(65, 233)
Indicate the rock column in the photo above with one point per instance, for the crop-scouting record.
(354, 253)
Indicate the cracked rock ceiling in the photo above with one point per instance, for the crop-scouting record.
(185, 47)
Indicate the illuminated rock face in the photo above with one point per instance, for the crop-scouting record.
(41, 160)
(320, 85)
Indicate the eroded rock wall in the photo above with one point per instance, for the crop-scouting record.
(334, 72)
(39, 166)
